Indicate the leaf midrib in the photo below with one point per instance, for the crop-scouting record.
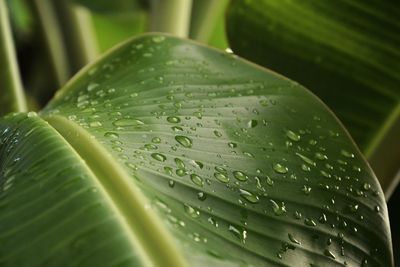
(144, 229)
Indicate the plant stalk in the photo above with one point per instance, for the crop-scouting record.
(12, 98)
(170, 16)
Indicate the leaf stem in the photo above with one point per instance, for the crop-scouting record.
(78, 31)
(52, 34)
(12, 94)
(205, 14)
(171, 16)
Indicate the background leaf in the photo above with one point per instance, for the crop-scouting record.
(345, 51)
(242, 165)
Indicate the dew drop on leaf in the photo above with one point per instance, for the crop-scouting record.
(128, 122)
(158, 156)
(278, 168)
(346, 154)
(173, 119)
(156, 140)
(111, 135)
(293, 136)
(221, 177)
(278, 210)
(197, 180)
(191, 212)
(249, 196)
(241, 176)
(293, 239)
(184, 141)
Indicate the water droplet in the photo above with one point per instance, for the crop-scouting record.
(293, 136)
(159, 157)
(264, 102)
(329, 253)
(241, 235)
(198, 114)
(91, 86)
(252, 123)
(128, 122)
(173, 119)
(232, 145)
(177, 128)
(179, 163)
(278, 168)
(158, 39)
(150, 147)
(111, 135)
(293, 239)
(95, 124)
(221, 177)
(189, 210)
(217, 133)
(156, 140)
(197, 180)
(346, 154)
(184, 141)
(306, 159)
(201, 196)
(249, 196)
(240, 176)
(171, 183)
(306, 190)
(270, 182)
(278, 210)
(320, 156)
(309, 222)
(325, 174)
(377, 209)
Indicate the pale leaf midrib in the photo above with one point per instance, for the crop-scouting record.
(144, 228)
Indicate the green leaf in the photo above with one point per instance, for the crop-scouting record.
(58, 212)
(240, 165)
(345, 51)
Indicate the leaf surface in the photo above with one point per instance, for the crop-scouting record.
(241, 165)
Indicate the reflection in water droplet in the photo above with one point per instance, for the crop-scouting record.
(278, 168)
(184, 141)
(158, 156)
(249, 196)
